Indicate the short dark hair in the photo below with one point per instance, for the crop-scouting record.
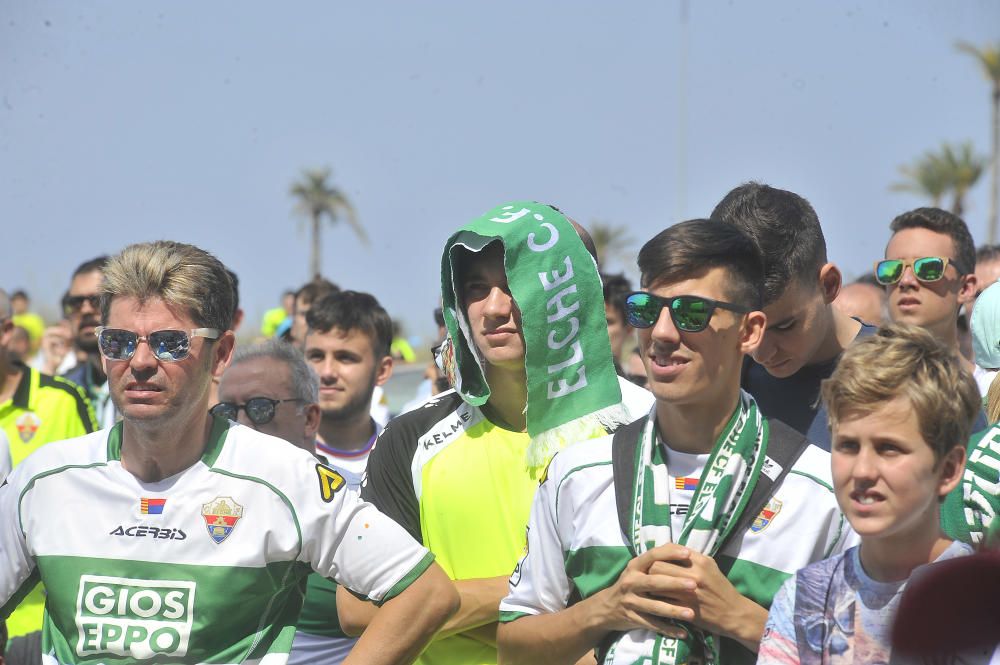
(947, 223)
(986, 253)
(690, 248)
(353, 310)
(236, 291)
(316, 289)
(616, 288)
(786, 229)
(95, 264)
(20, 293)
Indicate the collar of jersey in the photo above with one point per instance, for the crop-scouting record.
(216, 439)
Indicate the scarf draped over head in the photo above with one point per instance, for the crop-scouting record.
(571, 380)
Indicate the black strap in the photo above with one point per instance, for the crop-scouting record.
(784, 446)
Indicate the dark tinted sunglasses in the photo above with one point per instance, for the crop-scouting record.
(926, 269)
(73, 304)
(167, 345)
(260, 410)
(689, 313)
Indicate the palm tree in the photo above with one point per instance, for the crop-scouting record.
(317, 199)
(953, 170)
(989, 60)
(611, 241)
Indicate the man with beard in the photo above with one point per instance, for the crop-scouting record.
(83, 365)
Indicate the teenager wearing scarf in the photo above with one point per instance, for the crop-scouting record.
(530, 360)
(660, 555)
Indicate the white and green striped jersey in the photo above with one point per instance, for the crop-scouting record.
(576, 547)
(206, 566)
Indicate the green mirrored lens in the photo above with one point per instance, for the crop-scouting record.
(929, 269)
(642, 310)
(690, 314)
(889, 271)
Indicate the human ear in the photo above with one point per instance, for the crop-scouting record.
(752, 331)
(830, 281)
(967, 288)
(384, 370)
(222, 354)
(952, 468)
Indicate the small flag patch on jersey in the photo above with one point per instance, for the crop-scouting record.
(686, 484)
(151, 506)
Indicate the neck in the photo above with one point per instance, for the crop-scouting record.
(893, 559)
(840, 332)
(348, 434)
(508, 397)
(154, 451)
(694, 428)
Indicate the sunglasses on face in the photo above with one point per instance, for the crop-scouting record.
(167, 345)
(926, 269)
(689, 313)
(260, 410)
(73, 304)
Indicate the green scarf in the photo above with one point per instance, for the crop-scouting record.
(726, 484)
(553, 279)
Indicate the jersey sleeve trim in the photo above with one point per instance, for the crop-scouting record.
(811, 477)
(408, 579)
(506, 616)
(23, 590)
(44, 474)
(277, 492)
(571, 472)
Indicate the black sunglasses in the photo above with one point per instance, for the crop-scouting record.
(260, 410)
(689, 313)
(73, 304)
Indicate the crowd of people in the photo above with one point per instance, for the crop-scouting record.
(741, 459)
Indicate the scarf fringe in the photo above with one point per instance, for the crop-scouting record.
(545, 445)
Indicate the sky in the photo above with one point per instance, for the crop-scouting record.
(126, 122)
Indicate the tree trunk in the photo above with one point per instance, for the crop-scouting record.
(994, 165)
(315, 249)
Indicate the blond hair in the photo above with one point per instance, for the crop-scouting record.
(181, 275)
(906, 361)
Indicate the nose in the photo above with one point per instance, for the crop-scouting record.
(908, 278)
(865, 466)
(664, 331)
(498, 304)
(328, 370)
(765, 352)
(87, 308)
(143, 358)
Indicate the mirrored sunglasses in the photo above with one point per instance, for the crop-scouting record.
(167, 345)
(926, 269)
(260, 410)
(689, 313)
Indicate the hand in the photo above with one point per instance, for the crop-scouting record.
(55, 344)
(716, 604)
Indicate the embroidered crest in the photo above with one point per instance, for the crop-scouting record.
(27, 424)
(221, 515)
(766, 516)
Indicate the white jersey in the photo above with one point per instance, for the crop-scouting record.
(207, 566)
(576, 546)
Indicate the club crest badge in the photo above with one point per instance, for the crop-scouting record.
(766, 516)
(221, 515)
(27, 424)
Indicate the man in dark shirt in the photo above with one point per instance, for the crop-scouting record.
(805, 333)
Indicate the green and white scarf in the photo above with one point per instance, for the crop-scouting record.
(571, 380)
(726, 484)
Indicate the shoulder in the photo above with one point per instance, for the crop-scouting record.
(59, 386)
(441, 417)
(591, 458)
(636, 400)
(814, 465)
(254, 454)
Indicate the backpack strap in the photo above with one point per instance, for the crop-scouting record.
(623, 450)
(784, 446)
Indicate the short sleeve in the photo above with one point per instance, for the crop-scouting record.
(388, 483)
(539, 583)
(778, 646)
(349, 540)
(18, 571)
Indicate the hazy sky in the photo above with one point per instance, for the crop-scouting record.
(131, 121)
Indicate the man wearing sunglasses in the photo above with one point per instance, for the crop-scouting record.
(805, 334)
(176, 536)
(929, 272)
(667, 541)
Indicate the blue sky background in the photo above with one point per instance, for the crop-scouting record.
(123, 122)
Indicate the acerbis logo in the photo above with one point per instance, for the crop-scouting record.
(140, 619)
(143, 531)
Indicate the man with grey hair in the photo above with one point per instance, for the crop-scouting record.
(198, 532)
(270, 388)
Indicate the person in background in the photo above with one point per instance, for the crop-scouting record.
(310, 292)
(901, 410)
(805, 333)
(865, 300)
(32, 323)
(273, 318)
(616, 287)
(19, 346)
